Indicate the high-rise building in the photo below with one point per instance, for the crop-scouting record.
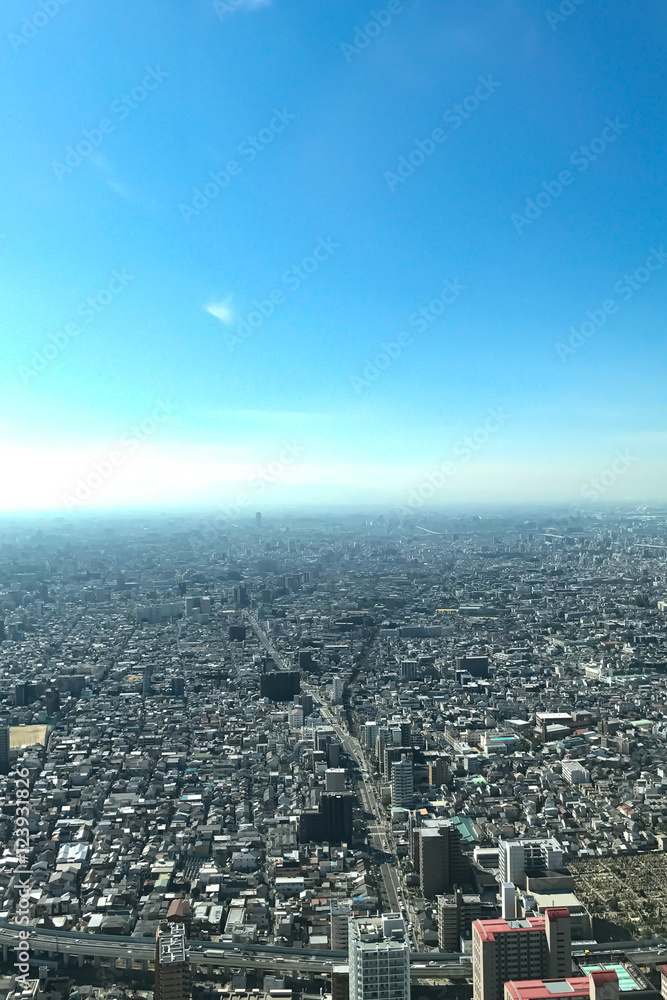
(4, 749)
(600, 985)
(476, 666)
(258, 520)
(340, 982)
(172, 966)
(379, 958)
(279, 685)
(534, 948)
(52, 700)
(306, 659)
(519, 858)
(306, 702)
(370, 734)
(559, 941)
(332, 822)
(336, 809)
(337, 689)
(334, 779)
(408, 669)
(456, 914)
(442, 863)
(341, 911)
(438, 771)
(391, 755)
(402, 783)
(508, 901)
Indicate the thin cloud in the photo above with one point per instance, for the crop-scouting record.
(108, 172)
(222, 310)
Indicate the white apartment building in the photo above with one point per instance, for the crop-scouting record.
(379, 953)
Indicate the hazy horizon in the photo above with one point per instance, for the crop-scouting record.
(379, 250)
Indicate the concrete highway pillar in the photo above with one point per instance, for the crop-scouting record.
(65, 958)
(128, 965)
(5, 953)
(80, 957)
(144, 965)
(97, 961)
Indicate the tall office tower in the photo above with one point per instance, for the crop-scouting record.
(4, 749)
(456, 915)
(337, 689)
(402, 786)
(504, 950)
(341, 911)
(442, 864)
(258, 520)
(379, 958)
(241, 599)
(172, 966)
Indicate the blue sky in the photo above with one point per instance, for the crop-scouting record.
(114, 120)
